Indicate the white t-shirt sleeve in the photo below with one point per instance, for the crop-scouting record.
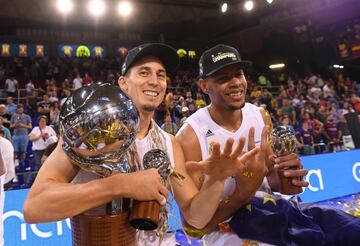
(35, 131)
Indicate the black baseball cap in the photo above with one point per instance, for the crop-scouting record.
(218, 57)
(164, 52)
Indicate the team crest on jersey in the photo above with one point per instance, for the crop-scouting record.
(209, 133)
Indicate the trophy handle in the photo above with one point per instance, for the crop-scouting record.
(145, 215)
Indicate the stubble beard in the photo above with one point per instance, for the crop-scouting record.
(149, 108)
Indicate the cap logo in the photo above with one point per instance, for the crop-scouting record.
(221, 56)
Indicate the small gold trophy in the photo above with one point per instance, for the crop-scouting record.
(283, 142)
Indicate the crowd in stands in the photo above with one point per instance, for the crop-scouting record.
(313, 107)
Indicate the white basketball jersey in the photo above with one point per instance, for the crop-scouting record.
(208, 131)
(146, 238)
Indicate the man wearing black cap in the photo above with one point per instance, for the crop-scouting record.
(143, 78)
(248, 195)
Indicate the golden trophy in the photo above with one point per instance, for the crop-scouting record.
(283, 142)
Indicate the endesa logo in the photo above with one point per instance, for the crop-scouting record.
(315, 176)
(356, 171)
(331, 175)
(318, 176)
(34, 228)
(18, 232)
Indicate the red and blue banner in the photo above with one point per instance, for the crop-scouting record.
(23, 50)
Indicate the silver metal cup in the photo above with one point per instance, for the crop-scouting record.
(98, 124)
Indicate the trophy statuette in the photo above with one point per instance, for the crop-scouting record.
(145, 215)
(283, 142)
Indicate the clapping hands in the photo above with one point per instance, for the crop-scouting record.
(223, 164)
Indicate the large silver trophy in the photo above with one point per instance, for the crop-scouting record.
(283, 142)
(98, 125)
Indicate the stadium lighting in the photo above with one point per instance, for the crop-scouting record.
(224, 7)
(269, 1)
(277, 66)
(338, 66)
(249, 5)
(65, 6)
(96, 7)
(125, 8)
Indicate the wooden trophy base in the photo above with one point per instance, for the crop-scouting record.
(104, 230)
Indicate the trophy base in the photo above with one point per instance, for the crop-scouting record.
(145, 215)
(106, 230)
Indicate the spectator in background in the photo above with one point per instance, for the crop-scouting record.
(11, 86)
(87, 80)
(7, 173)
(332, 134)
(189, 100)
(169, 99)
(54, 116)
(185, 113)
(29, 88)
(286, 122)
(315, 126)
(321, 114)
(44, 106)
(21, 124)
(200, 102)
(256, 92)
(5, 130)
(355, 100)
(31, 103)
(77, 82)
(288, 109)
(53, 97)
(335, 112)
(41, 136)
(10, 106)
(306, 139)
(346, 108)
(328, 90)
(67, 93)
(169, 126)
(51, 87)
(6, 116)
(192, 108)
(266, 98)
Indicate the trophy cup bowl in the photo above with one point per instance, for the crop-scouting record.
(283, 142)
(98, 124)
(145, 215)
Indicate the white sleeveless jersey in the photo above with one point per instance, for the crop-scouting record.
(208, 131)
(142, 146)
